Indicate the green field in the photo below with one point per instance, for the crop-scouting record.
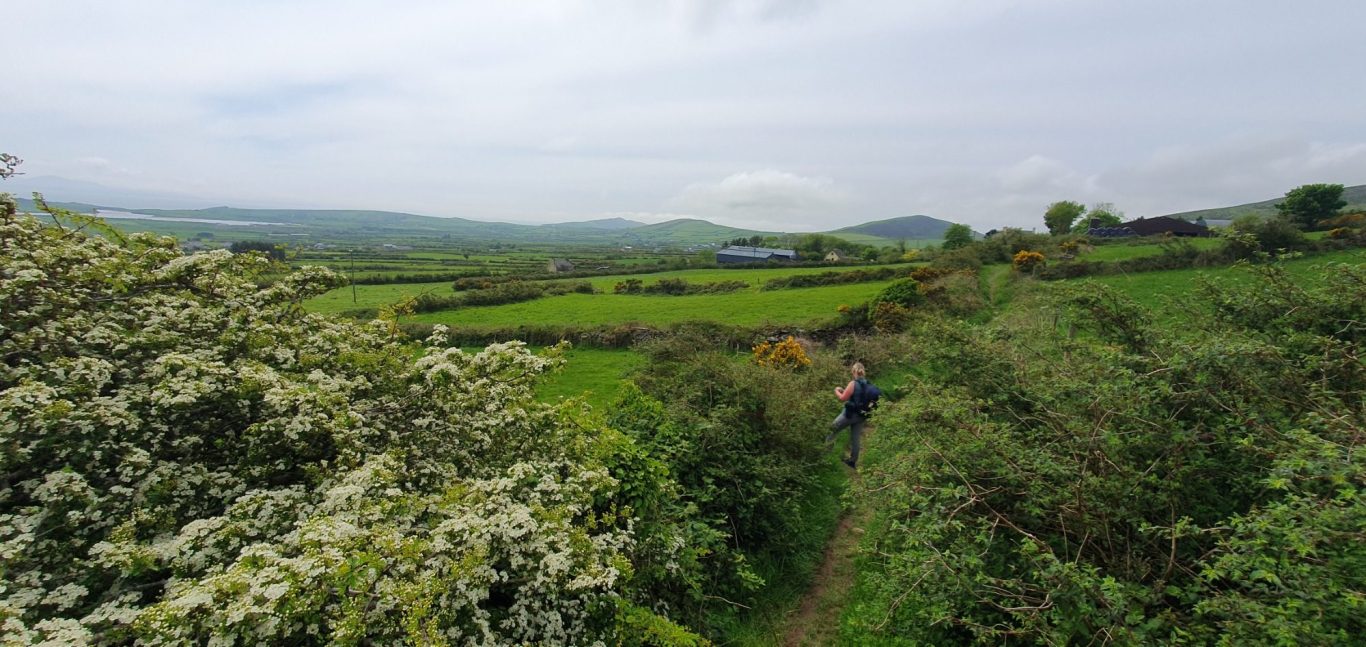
(797, 306)
(754, 276)
(373, 296)
(1157, 290)
(1115, 251)
(591, 373)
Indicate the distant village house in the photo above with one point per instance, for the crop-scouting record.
(837, 256)
(557, 265)
(736, 254)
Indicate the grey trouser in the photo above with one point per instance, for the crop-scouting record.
(855, 424)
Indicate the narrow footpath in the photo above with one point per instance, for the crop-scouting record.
(816, 618)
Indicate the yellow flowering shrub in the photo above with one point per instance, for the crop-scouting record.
(787, 353)
(1026, 261)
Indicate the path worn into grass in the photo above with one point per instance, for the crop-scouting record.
(816, 620)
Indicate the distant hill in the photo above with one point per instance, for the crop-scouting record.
(1355, 196)
(907, 227)
(27, 204)
(602, 224)
(686, 231)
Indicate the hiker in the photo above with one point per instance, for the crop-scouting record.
(853, 416)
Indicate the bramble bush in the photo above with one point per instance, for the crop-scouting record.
(888, 316)
(905, 292)
(1130, 484)
(188, 458)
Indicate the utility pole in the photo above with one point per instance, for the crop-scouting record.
(353, 276)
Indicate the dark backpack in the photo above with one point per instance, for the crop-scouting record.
(864, 399)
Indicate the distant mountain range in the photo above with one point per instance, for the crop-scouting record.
(1355, 196)
(371, 227)
(154, 212)
(334, 225)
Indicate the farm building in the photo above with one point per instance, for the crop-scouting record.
(1165, 225)
(556, 265)
(837, 256)
(754, 255)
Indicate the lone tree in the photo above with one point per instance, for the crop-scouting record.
(957, 236)
(268, 248)
(1103, 214)
(1060, 216)
(1306, 205)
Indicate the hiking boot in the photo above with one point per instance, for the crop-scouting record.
(849, 463)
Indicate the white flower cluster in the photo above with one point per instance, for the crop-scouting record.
(186, 457)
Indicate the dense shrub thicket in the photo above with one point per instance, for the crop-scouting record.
(743, 441)
(1132, 484)
(188, 458)
(999, 248)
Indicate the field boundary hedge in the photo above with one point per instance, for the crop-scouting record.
(1181, 256)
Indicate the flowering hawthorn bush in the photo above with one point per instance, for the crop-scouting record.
(186, 457)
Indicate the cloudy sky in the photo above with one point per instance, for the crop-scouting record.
(774, 114)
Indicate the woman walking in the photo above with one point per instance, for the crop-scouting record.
(851, 416)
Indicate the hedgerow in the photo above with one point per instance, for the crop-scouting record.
(499, 294)
(837, 278)
(677, 287)
(1130, 484)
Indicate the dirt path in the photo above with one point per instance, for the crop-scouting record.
(816, 620)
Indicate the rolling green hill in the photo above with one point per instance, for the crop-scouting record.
(603, 224)
(1355, 196)
(916, 227)
(686, 231)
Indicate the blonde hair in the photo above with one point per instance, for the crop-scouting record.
(857, 370)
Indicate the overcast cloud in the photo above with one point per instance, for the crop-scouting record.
(772, 114)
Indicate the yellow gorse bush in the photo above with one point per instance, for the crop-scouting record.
(1026, 261)
(787, 353)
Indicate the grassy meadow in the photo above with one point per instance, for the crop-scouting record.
(1158, 290)
(373, 296)
(595, 375)
(750, 307)
(1120, 251)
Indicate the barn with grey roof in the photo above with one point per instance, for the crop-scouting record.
(735, 254)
